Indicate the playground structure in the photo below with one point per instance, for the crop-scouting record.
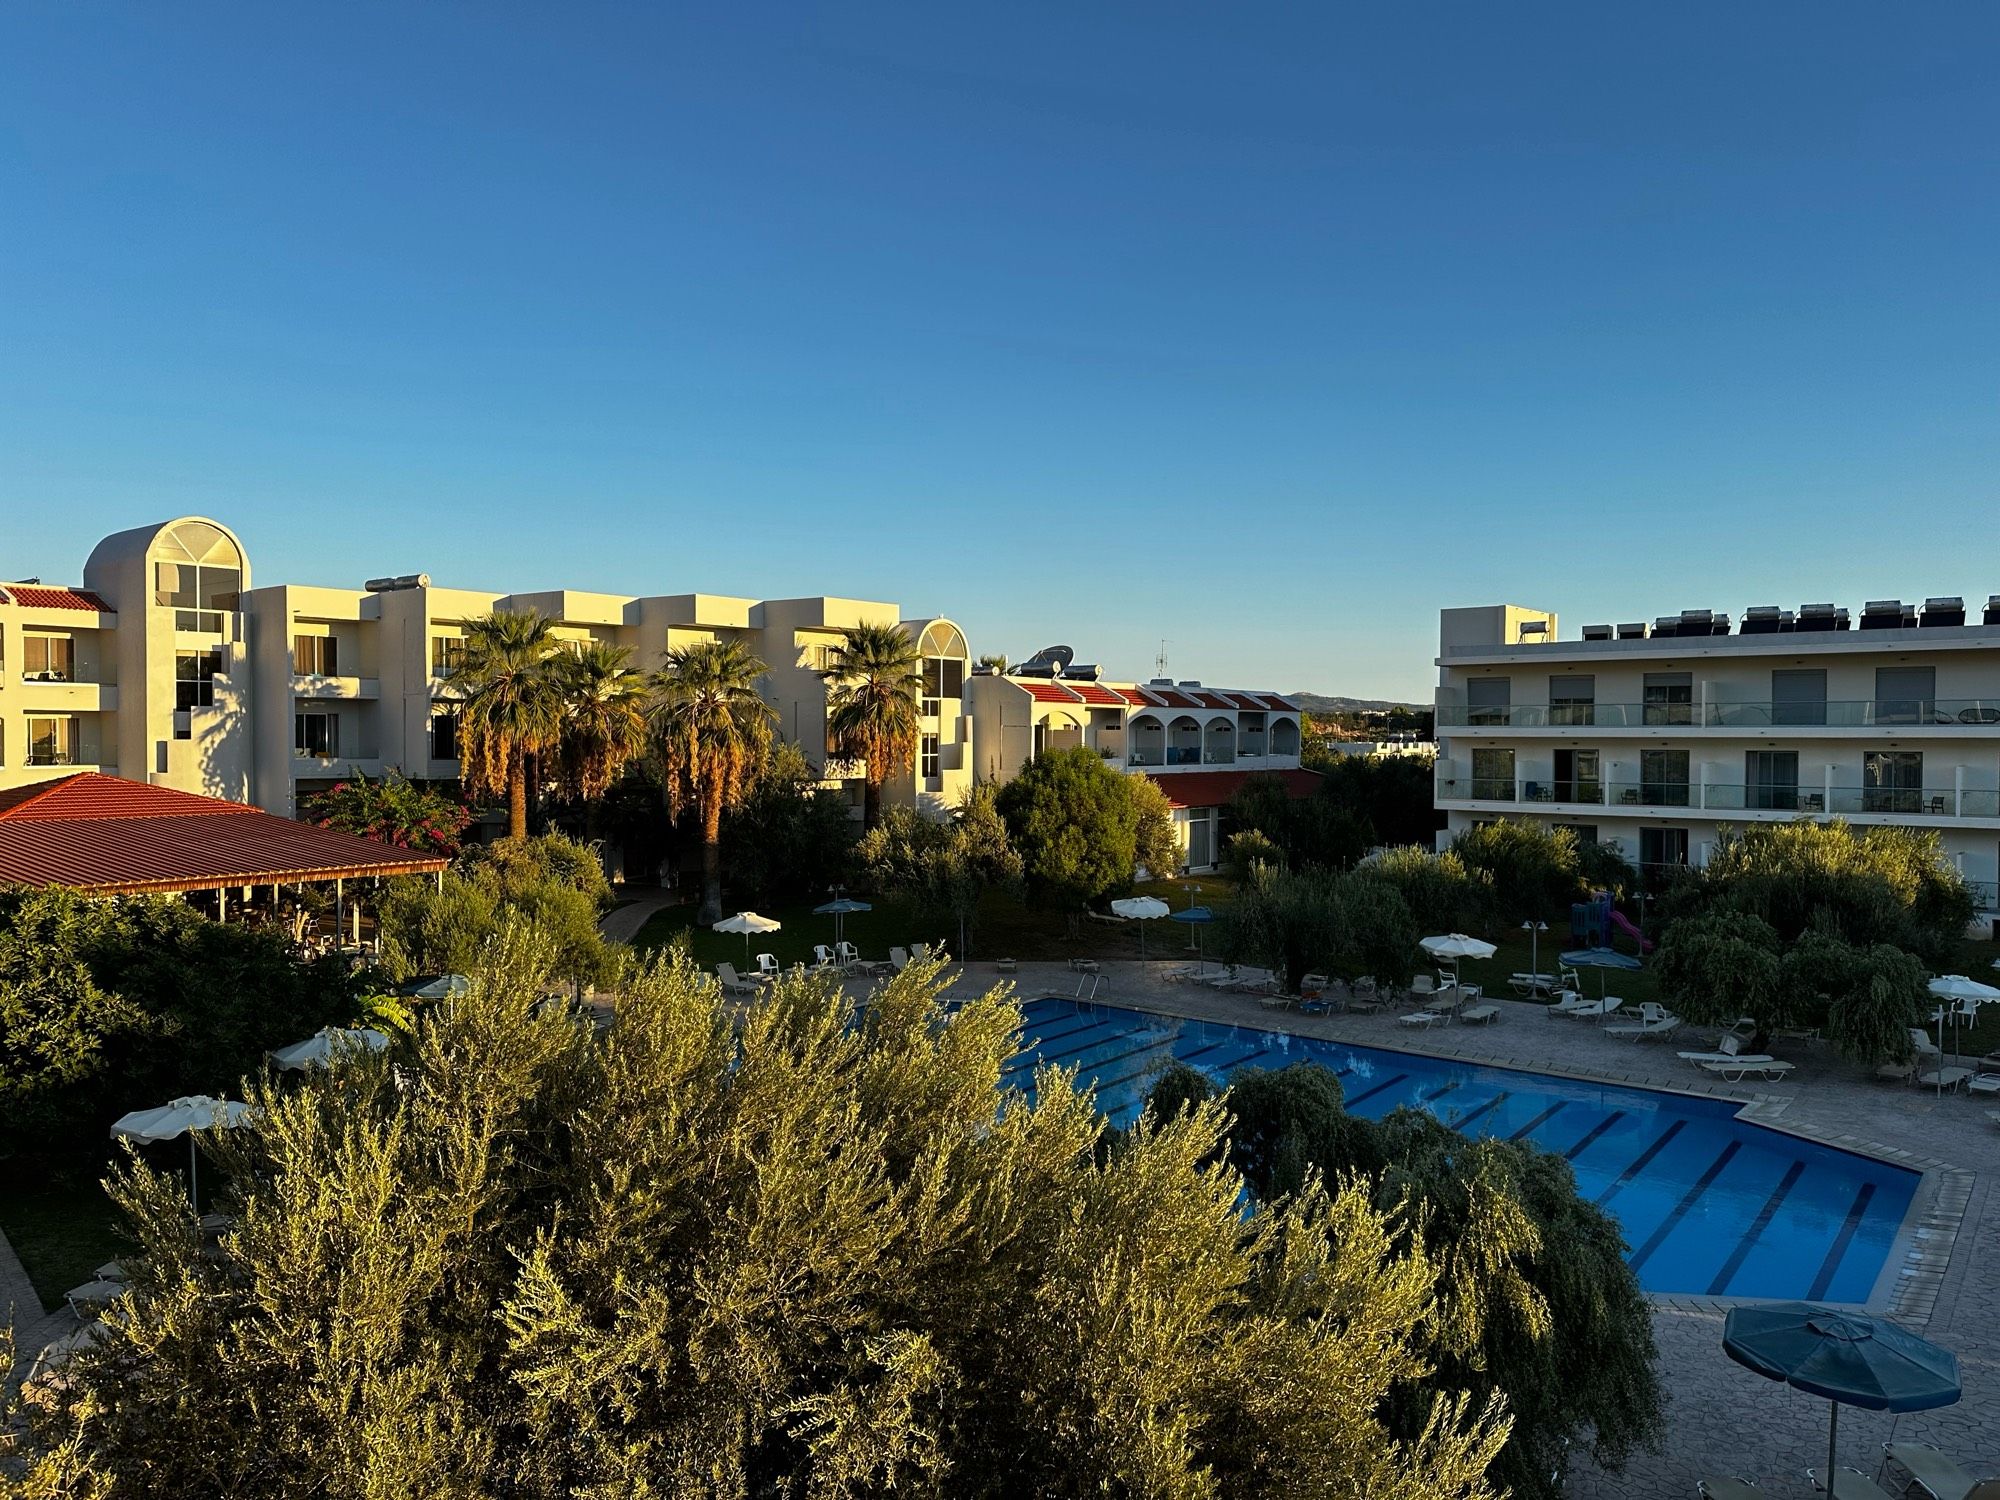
(1592, 924)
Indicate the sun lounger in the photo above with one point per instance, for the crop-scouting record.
(1422, 1019)
(1595, 1009)
(1480, 1015)
(1727, 1489)
(1532, 984)
(899, 959)
(1655, 1021)
(1944, 1078)
(1983, 1081)
(1848, 1484)
(1276, 999)
(1940, 1476)
(1568, 1003)
(1736, 1069)
(734, 983)
(1726, 1047)
(920, 951)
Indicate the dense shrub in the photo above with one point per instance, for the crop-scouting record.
(941, 870)
(1394, 796)
(114, 1004)
(1156, 843)
(817, 1254)
(1877, 885)
(1441, 893)
(1074, 823)
(1538, 871)
(1320, 830)
(1248, 850)
(394, 810)
(1299, 922)
(555, 883)
(790, 838)
(1535, 1299)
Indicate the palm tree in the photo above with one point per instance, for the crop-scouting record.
(712, 727)
(604, 719)
(512, 689)
(874, 678)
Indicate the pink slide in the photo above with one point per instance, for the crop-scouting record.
(1624, 925)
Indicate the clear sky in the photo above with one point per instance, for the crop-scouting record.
(1265, 331)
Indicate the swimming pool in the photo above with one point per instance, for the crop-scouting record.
(1709, 1205)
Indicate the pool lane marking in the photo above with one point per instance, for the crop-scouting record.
(1437, 1094)
(1688, 1201)
(1840, 1243)
(1639, 1163)
(1764, 1216)
(1371, 1093)
(1540, 1120)
(1491, 1104)
(1595, 1131)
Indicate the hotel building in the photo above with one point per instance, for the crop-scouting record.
(1656, 738)
(171, 666)
(1199, 743)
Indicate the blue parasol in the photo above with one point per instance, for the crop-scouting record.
(1198, 917)
(1601, 958)
(1848, 1358)
(838, 908)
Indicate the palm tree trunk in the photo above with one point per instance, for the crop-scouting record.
(871, 802)
(711, 862)
(517, 797)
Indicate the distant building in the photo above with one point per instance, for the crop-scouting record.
(1199, 743)
(1654, 738)
(1362, 749)
(168, 666)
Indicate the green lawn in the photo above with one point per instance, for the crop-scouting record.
(61, 1228)
(1006, 929)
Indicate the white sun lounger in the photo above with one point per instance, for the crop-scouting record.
(1944, 1078)
(1568, 1003)
(1940, 1475)
(1736, 1069)
(1480, 1015)
(1727, 1489)
(1727, 1046)
(1655, 1020)
(1422, 1019)
(734, 983)
(1595, 1009)
(1848, 1484)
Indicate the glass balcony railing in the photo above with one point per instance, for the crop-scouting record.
(1183, 755)
(1723, 798)
(1859, 713)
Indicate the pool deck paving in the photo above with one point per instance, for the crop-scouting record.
(1722, 1420)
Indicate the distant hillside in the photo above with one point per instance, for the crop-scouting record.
(1320, 703)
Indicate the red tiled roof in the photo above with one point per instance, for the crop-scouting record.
(1091, 692)
(35, 596)
(1168, 698)
(1048, 692)
(103, 833)
(1213, 700)
(1282, 705)
(1132, 696)
(1219, 788)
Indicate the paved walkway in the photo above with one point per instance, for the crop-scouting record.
(21, 1310)
(621, 924)
(1723, 1419)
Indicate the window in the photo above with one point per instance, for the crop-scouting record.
(1892, 781)
(1669, 698)
(1487, 699)
(1771, 780)
(447, 654)
(1493, 775)
(198, 593)
(929, 761)
(1250, 734)
(194, 682)
(1662, 851)
(1799, 697)
(444, 734)
(1579, 776)
(315, 656)
(52, 741)
(1905, 695)
(1586, 833)
(316, 736)
(48, 658)
(1572, 700)
(943, 678)
(1663, 778)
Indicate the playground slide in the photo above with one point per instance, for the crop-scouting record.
(1624, 924)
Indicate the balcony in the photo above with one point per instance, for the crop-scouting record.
(51, 694)
(1719, 800)
(1759, 717)
(316, 686)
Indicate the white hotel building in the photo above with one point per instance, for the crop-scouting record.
(1655, 738)
(170, 666)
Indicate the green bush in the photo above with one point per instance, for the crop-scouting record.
(1536, 872)
(1073, 821)
(1440, 892)
(1878, 885)
(120, 1003)
(1247, 851)
(941, 870)
(790, 838)
(1320, 830)
(1535, 1300)
(801, 1251)
(1300, 922)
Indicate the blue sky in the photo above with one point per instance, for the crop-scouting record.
(1262, 331)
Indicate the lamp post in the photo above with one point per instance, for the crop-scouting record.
(1193, 892)
(1535, 931)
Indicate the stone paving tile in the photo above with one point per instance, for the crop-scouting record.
(1722, 1418)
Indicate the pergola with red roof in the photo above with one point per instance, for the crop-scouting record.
(111, 836)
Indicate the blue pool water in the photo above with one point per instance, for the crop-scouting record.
(1709, 1205)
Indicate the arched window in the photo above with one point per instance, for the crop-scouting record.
(1058, 731)
(944, 653)
(1285, 737)
(1148, 737)
(198, 572)
(1184, 742)
(1218, 743)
